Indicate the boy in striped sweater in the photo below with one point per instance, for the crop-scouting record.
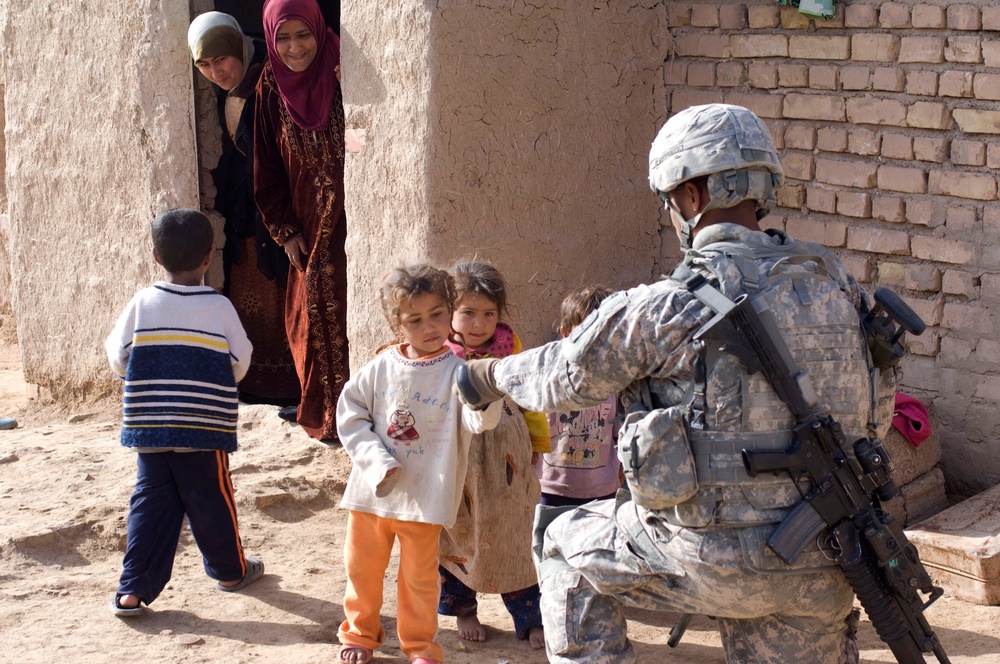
(181, 350)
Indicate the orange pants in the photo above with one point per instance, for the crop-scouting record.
(366, 557)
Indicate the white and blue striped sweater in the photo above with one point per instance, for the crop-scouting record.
(181, 351)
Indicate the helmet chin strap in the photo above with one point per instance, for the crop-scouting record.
(687, 225)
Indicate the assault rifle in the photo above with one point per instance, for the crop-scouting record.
(843, 501)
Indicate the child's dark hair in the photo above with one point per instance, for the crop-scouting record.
(579, 304)
(482, 279)
(404, 283)
(182, 237)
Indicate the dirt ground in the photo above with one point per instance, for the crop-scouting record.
(64, 489)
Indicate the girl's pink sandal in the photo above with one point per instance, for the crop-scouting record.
(423, 660)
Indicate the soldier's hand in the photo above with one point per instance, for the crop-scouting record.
(475, 384)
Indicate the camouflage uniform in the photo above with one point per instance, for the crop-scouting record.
(707, 554)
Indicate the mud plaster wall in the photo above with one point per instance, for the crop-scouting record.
(513, 132)
(99, 137)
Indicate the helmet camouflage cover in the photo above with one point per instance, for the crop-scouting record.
(730, 144)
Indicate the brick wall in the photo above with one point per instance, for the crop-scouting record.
(888, 121)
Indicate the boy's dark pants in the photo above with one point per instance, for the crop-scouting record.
(170, 485)
(457, 599)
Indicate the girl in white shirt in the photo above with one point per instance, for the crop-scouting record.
(408, 437)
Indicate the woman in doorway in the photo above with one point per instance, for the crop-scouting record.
(255, 268)
(299, 188)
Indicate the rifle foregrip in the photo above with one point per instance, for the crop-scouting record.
(758, 461)
(799, 529)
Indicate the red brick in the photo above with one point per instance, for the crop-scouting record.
(891, 273)
(675, 72)
(814, 107)
(860, 16)
(832, 139)
(961, 220)
(955, 84)
(924, 213)
(765, 106)
(890, 79)
(964, 49)
(987, 86)
(678, 14)
(899, 178)
(930, 149)
(777, 130)
(791, 19)
(846, 173)
(702, 45)
(823, 77)
(855, 204)
(923, 277)
(791, 195)
(928, 16)
(871, 110)
(888, 208)
(763, 16)
(798, 165)
(758, 46)
(964, 17)
(793, 76)
(827, 233)
(821, 200)
(800, 137)
(864, 141)
(732, 17)
(972, 121)
(920, 82)
(991, 18)
(956, 282)
(730, 74)
(701, 74)
(894, 15)
(686, 98)
(763, 75)
(705, 16)
(878, 240)
(993, 155)
(929, 115)
(830, 23)
(856, 78)
(921, 49)
(991, 221)
(976, 186)
(812, 47)
(968, 153)
(875, 48)
(939, 249)
(897, 146)
(991, 53)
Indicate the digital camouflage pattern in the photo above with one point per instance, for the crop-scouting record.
(707, 554)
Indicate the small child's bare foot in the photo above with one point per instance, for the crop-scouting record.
(354, 655)
(469, 628)
(128, 601)
(536, 637)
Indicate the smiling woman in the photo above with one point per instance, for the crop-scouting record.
(299, 188)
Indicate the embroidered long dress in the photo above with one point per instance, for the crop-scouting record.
(299, 188)
(489, 547)
(255, 268)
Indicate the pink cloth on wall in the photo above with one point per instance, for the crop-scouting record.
(911, 419)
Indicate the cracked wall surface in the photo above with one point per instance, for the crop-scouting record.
(515, 132)
(99, 138)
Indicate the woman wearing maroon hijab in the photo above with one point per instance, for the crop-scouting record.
(299, 189)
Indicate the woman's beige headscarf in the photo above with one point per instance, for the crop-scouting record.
(214, 34)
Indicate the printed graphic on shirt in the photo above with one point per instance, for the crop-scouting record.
(578, 443)
(401, 425)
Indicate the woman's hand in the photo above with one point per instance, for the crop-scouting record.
(296, 250)
(336, 70)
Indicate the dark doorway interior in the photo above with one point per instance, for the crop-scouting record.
(248, 14)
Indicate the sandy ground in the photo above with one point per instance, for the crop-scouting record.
(64, 489)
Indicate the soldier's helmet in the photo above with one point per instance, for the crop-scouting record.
(730, 145)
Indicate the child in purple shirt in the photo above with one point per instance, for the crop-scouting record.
(583, 464)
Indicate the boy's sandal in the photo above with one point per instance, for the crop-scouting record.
(344, 649)
(255, 570)
(124, 611)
